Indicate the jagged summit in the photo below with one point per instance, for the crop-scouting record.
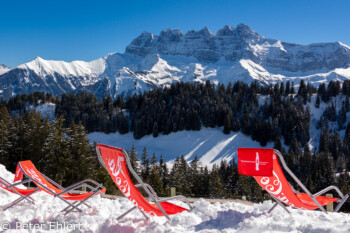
(225, 31)
(204, 32)
(202, 44)
(154, 61)
(3, 66)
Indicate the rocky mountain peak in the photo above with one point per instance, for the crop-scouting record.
(4, 69)
(154, 61)
(143, 40)
(204, 32)
(2, 66)
(170, 35)
(225, 31)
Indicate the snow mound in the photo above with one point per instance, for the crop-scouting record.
(206, 217)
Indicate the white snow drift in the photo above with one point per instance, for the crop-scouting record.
(206, 217)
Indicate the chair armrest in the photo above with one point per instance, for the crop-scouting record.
(171, 198)
(177, 197)
(51, 181)
(294, 190)
(19, 183)
(328, 189)
(4, 182)
(80, 184)
(150, 189)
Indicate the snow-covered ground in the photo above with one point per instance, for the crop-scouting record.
(205, 218)
(316, 113)
(211, 145)
(46, 109)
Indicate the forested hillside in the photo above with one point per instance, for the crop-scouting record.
(279, 114)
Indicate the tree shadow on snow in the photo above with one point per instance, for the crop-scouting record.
(225, 219)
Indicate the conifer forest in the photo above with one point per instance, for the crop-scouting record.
(278, 113)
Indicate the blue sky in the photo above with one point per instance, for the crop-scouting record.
(87, 30)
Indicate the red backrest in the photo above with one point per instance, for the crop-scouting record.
(115, 162)
(276, 183)
(253, 162)
(28, 168)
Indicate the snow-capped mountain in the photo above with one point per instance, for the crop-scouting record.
(152, 61)
(3, 69)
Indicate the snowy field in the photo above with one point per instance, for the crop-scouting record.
(205, 218)
(211, 145)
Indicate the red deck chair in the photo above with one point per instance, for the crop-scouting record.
(117, 162)
(263, 165)
(44, 183)
(23, 193)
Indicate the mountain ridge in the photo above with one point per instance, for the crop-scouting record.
(155, 61)
(4, 69)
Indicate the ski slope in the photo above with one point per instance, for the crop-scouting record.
(205, 218)
(211, 145)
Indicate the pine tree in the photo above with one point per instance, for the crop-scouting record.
(145, 172)
(347, 104)
(156, 182)
(324, 140)
(292, 91)
(37, 130)
(227, 123)
(57, 162)
(278, 144)
(179, 176)
(5, 142)
(342, 117)
(195, 176)
(155, 129)
(204, 190)
(216, 185)
(318, 101)
(155, 179)
(134, 160)
(81, 153)
(19, 143)
(164, 174)
(287, 91)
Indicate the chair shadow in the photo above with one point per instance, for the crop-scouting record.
(117, 228)
(225, 219)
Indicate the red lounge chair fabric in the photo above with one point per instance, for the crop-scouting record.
(115, 163)
(304, 198)
(30, 170)
(255, 163)
(278, 186)
(24, 192)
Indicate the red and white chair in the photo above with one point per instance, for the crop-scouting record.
(116, 162)
(264, 166)
(73, 200)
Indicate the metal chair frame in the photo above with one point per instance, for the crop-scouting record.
(71, 206)
(22, 197)
(312, 196)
